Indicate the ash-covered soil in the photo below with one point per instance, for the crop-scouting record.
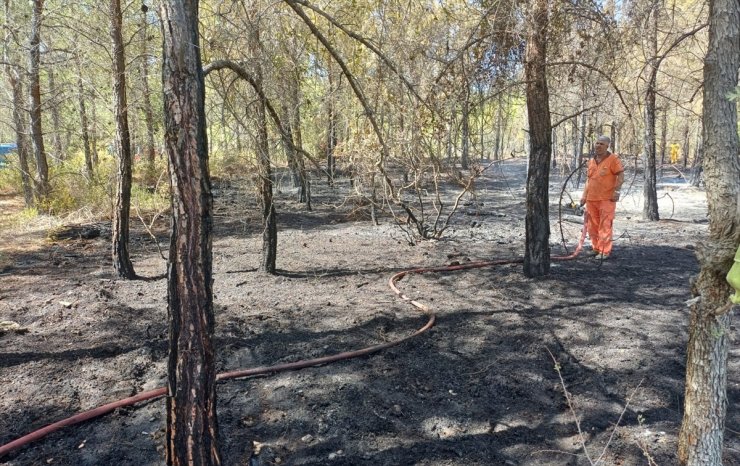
(479, 388)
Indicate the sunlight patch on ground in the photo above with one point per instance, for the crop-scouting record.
(446, 428)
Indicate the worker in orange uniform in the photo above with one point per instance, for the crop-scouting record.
(600, 195)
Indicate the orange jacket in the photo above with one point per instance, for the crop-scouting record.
(602, 178)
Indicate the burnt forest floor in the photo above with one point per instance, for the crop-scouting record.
(478, 388)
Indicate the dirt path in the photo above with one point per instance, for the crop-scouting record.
(479, 388)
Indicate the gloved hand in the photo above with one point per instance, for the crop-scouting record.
(733, 278)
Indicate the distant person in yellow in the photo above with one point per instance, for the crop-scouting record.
(675, 152)
(600, 195)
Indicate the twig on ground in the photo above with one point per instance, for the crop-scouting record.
(569, 400)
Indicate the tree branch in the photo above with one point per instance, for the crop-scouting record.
(247, 76)
(366, 43)
(602, 73)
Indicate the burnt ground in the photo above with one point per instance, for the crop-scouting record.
(478, 388)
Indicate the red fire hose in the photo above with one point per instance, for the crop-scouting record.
(156, 393)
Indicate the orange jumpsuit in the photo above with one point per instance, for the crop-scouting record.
(602, 179)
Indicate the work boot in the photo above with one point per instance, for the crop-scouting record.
(601, 256)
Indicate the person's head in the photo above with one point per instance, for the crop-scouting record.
(602, 145)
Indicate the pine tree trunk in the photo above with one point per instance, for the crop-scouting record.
(267, 204)
(650, 207)
(84, 124)
(192, 426)
(21, 141)
(537, 224)
(19, 113)
(149, 153)
(37, 135)
(122, 209)
(705, 403)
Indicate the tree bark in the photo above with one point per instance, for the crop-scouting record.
(37, 135)
(705, 403)
(19, 113)
(650, 207)
(269, 218)
(192, 426)
(121, 213)
(537, 224)
(267, 204)
(84, 124)
(149, 153)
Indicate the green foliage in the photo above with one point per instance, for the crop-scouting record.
(734, 95)
(10, 175)
(71, 190)
(228, 165)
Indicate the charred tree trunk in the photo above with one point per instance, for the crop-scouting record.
(267, 204)
(537, 237)
(192, 426)
(149, 153)
(705, 403)
(269, 218)
(84, 124)
(37, 135)
(650, 208)
(121, 213)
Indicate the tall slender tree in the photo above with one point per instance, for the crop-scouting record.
(537, 224)
(122, 210)
(37, 134)
(267, 202)
(84, 123)
(192, 425)
(20, 116)
(146, 102)
(705, 403)
(650, 208)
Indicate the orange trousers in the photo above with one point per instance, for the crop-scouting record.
(600, 220)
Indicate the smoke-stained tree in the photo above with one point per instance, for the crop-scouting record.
(705, 404)
(34, 76)
(122, 210)
(192, 425)
(537, 247)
